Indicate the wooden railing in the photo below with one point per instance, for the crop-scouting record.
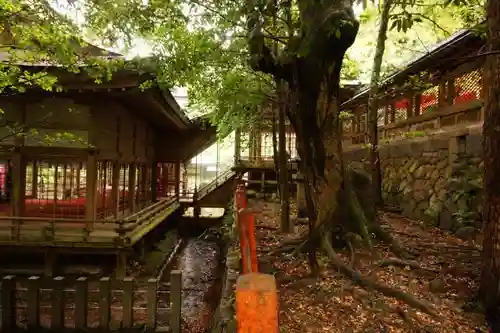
(26, 231)
(219, 180)
(61, 303)
(450, 100)
(194, 193)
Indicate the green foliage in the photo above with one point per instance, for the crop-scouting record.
(36, 43)
(200, 45)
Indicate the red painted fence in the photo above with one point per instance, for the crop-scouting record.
(256, 293)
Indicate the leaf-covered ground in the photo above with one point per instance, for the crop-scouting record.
(332, 303)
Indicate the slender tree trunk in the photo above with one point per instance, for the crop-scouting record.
(275, 151)
(490, 277)
(373, 104)
(283, 167)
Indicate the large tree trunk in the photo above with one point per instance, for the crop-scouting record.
(490, 277)
(311, 66)
(373, 104)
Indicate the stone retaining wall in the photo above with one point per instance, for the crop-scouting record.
(437, 178)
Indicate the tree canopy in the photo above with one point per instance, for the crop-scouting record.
(201, 45)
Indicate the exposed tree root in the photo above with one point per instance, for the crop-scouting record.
(405, 263)
(368, 283)
(393, 243)
(353, 255)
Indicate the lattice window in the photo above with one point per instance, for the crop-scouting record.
(266, 147)
(468, 87)
(123, 188)
(55, 189)
(166, 179)
(105, 202)
(30, 180)
(143, 185)
(429, 100)
(401, 109)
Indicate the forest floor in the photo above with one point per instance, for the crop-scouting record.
(332, 303)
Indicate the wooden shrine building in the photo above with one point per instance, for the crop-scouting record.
(92, 168)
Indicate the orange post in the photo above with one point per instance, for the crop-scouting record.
(257, 303)
(246, 228)
(250, 230)
(244, 246)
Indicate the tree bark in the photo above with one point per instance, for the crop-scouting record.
(275, 150)
(283, 167)
(490, 277)
(311, 66)
(373, 104)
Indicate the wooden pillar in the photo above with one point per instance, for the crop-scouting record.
(131, 186)
(91, 185)
(178, 179)
(18, 183)
(392, 111)
(416, 104)
(121, 264)
(153, 182)
(450, 96)
(386, 113)
(115, 190)
(409, 108)
(442, 93)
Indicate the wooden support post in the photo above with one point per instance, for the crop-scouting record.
(81, 299)
(121, 264)
(8, 301)
(50, 261)
(262, 181)
(175, 300)
(178, 166)
(417, 104)
(104, 302)
(18, 183)
(442, 93)
(33, 303)
(450, 96)
(152, 302)
(115, 190)
(91, 190)
(257, 303)
(153, 183)
(128, 300)
(131, 186)
(57, 321)
(409, 108)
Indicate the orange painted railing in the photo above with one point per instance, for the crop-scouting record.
(256, 293)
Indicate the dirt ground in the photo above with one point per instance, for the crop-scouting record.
(331, 303)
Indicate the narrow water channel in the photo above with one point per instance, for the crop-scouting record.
(202, 268)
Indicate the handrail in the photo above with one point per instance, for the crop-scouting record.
(197, 193)
(220, 179)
